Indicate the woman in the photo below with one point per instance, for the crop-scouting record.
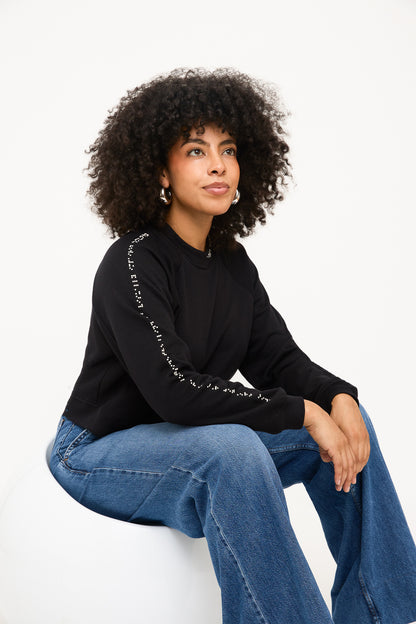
(155, 431)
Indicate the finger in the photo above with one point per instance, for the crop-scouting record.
(350, 469)
(343, 472)
(364, 450)
(348, 479)
(357, 459)
(361, 453)
(360, 446)
(353, 470)
(324, 455)
(338, 473)
(364, 456)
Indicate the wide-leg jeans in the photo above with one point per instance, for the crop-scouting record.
(225, 482)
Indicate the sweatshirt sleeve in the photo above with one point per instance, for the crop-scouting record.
(134, 308)
(274, 359)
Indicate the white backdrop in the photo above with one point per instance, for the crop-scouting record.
(338, 258)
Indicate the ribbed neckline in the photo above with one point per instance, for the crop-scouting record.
(197, 257)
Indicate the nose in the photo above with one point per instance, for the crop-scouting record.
(216, 165)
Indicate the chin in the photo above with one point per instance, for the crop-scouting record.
(219, 210)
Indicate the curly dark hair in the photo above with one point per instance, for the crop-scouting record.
(132, 148)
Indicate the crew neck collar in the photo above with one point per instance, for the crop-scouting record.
(198, 257)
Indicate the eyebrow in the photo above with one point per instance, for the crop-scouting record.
(202, 142)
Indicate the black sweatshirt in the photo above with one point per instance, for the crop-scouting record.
(170, 326)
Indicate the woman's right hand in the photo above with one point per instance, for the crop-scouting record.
(333, 445)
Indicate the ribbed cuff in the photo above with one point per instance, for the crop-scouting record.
(325, 397)
(290, 413)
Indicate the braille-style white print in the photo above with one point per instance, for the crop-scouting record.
(138, 297)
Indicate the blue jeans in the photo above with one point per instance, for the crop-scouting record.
(225, 482)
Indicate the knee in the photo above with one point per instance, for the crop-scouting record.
(374, 443)
(367, 421)
(235, 446)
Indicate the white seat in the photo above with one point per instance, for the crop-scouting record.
(61, 563)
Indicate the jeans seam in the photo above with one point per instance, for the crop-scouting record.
(64, 464)
(83, 434)
(127, 471)
(109, 469)
(224, 539)
(62, 442)
(143, 502)
(367, 597)
(293, 447)
(355, 498)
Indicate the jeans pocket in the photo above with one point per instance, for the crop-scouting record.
(64, 429)
(78, 438)
(69, 436)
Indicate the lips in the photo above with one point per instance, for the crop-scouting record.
(217, 185)
(217, 188)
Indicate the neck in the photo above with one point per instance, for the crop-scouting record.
(193, 229)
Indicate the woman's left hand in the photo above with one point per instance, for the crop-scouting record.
(347, 416)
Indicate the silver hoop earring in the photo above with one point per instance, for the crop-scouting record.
(236, 197)
(165, 196)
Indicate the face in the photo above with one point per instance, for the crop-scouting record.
(202, 173)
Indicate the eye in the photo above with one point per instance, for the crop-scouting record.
(230, 151)
(196, 151)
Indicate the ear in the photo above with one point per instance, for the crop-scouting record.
(164, 179)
